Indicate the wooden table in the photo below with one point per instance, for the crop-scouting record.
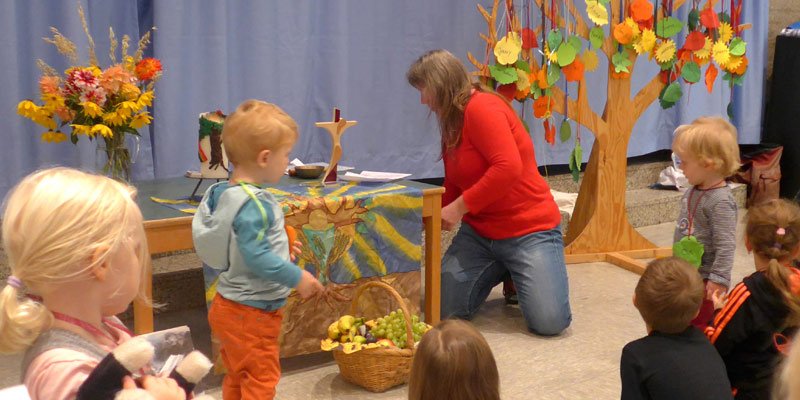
(170, 230)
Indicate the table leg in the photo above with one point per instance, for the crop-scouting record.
(142, 310)
(433, 262)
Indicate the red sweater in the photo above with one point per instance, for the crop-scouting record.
(494, 168)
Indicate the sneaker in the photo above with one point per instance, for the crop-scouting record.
(510, 292)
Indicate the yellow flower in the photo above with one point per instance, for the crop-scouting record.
(27, 109)
(113, 118)
(53, 101)
(81, 129)
(665, 51)
(720, 53)
(705, 52)
(103, 130)
(132, 106)
(140, 120)
(44, 119)
(634, 27)
(146, 99)
(130, 91)
(551, 56)
(96, 71)
(91, 109)
(725, 32)
(53, 137)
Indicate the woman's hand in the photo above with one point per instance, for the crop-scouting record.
(453, 212)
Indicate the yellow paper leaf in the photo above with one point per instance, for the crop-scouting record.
(523, 80)
(597, 12)
(634, 27)
(590, 60)
(733, 63)
(705, 52)
(720, 53)
(508, 48)
(725, 32)
(665, 51)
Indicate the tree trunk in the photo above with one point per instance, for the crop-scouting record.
(600, 221)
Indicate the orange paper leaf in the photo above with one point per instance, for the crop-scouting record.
(549, 132)
(740, 70)
(711, 76)
(623, 33)
(695, 41)
(574, 71)
(641, 10)
(541, 78)
(542, 106)
(709, 18)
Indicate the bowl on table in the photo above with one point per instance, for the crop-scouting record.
(308, 171)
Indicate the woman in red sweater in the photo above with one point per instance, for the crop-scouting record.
(510, 220)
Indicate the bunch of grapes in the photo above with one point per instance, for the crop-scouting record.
(393, 327)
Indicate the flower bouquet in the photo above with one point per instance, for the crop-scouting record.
(98, 103)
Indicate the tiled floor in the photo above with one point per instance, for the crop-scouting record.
(580, 364)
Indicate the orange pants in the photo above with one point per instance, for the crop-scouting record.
(249, 348)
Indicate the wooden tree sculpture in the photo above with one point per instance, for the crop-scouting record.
(599, 229)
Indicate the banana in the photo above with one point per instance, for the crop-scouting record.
(333, 330)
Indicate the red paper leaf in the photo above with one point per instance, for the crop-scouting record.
(711, 76)
(549, 132)
(529, 39)
(574, 71)
(662, 76)
(709, 18)
(641, 10)
(508, 91)
(695, 41)
(542, 106)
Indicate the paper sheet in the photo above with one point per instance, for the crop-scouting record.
(373, 176)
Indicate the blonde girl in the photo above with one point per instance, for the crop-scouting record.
(77, 251)
(763, 310)
(454, 362)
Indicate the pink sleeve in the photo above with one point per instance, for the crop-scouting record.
(490, 133)
(57, 374)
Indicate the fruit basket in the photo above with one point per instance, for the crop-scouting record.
(363, 349)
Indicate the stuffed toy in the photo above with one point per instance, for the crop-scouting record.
(105, 381)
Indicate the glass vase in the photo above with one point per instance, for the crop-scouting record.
(116, 154)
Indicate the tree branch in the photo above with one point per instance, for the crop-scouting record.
(580, 110)
(646, 96)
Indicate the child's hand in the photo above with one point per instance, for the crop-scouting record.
(159, 388)
(296, 250)
(713, 287)
(309, 285)
(720, 298)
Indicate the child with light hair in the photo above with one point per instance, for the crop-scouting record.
(705, 234)
(76, 246)
(239, 230)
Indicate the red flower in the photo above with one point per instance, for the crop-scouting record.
(147, 68)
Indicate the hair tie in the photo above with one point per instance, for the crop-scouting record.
(14, 282)
(780, 231)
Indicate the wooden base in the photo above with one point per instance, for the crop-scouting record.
(628, 260)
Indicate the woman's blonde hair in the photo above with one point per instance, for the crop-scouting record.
(454, 362)
(54, 222)
(787, 380)
(256, 126)
(773, 232)
(712, 140)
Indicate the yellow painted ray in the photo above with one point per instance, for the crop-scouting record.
(398, 201)
(350, 265)
(314, 191)
(373, 259)
(341, 190)
(388, 232)
(381, 190)
(278, 192)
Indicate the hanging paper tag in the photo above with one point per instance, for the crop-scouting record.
(690, 250)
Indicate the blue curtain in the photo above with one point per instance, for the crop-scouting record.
(308, 57)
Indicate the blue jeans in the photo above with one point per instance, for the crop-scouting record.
(473, 265)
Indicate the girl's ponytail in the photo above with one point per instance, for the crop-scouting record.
(21, 319)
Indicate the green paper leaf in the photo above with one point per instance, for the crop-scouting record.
(668, 27)
(665, 104)
(576, 43)
(738, 80)
(596, 36)
(578, 156)
(553, 73)
(730, 111)
(575, 160)
(523, 65)
(565, 132)
(672, 93)
(566, 54)
(604, 2)
(690, 250)
(554, 39)
(536, 91)
(691, 72)
(621, 62)
(503, 74)
(738, 47)
(724, 17)
(669, 64)
(694, 19)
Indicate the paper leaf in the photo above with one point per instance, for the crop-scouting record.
(690, 72)
(725, 32)
(694, 19)
(730, 111)
(549, 132)
(529, 40)
(709, 18)
(668, 27)
(621, 62)
(597, 12)
(574, 71)
(543, 106)
(720, 53)
(672, 92)
(623, 33)
(590, 60)
(737, 47)
(641, 10)
(705, 52)
(575, 160)
(554, 39)
(565, 132)
(508, 90)
(553, 73)
(724, 17)
(711, 76)
(503, 74)
(666, 51)
(695, 41)
(576, 43)
(578, 156)
(508, 48)
(596, 36)
(523, 65)
(566, 54)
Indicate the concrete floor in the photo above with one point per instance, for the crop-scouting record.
(583, 363)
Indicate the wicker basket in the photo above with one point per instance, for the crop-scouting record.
(377, 369)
